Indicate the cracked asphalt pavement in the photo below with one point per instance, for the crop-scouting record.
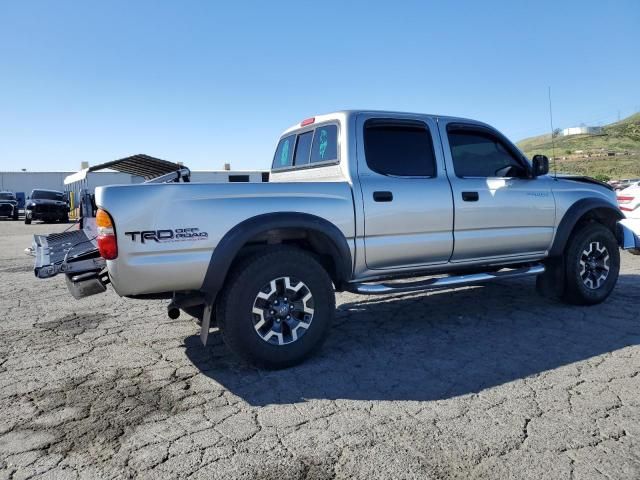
(485, 382)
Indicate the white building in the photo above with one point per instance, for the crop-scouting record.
(583, 130)
(25, 182)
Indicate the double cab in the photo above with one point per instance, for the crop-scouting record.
(363, 201)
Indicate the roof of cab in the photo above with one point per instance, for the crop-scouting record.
(345, 114)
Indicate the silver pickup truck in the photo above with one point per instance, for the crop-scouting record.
(364, 201)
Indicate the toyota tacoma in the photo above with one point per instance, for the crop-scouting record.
(361, 201)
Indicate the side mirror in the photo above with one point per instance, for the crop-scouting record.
(540, 165)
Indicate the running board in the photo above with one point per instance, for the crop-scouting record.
(444, 282)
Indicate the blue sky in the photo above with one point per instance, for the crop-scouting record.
(207, 82)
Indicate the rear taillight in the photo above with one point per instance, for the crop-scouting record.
(625, 200)
(107, 243)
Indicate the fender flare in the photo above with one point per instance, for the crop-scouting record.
(573, 215)
(227, 249)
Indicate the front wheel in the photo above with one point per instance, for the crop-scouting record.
(592, 262)
(276, 307)
(27, 218)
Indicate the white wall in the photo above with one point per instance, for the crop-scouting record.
(582, 131)
(27, 181)
(216, 176)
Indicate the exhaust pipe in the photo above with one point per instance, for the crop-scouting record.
(183, 301)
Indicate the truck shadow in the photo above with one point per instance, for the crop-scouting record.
(435, 346)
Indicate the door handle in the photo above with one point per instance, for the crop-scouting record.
(382, 196)
(470, 196)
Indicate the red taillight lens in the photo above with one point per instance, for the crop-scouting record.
(108, 246)
(107, 243)
(623, 200)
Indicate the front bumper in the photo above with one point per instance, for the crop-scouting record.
(629, 235)
(8, 210)
(37, 212)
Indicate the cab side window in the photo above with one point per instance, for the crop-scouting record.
(481, 154)
(399, 148)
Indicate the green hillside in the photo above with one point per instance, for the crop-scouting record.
(613, 155)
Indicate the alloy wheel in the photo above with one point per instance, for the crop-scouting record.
(594, 265)
(283, 311)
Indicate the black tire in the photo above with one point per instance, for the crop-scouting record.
(592, 265)
(64, 219)
(240, 326)
(27, 219)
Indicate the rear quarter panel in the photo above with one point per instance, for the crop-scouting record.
(181, 264)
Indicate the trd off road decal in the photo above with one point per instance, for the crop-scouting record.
(167, 235)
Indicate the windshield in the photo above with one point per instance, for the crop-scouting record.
(7, 196)
(41, 194)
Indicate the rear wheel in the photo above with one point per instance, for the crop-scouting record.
(592, 263)
(276, 308)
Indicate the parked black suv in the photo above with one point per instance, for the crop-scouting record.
(8, 205)
(46, 205)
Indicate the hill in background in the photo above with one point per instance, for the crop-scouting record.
(613, 155)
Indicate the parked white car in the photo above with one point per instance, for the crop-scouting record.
(629, 201)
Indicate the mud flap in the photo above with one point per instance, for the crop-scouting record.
(551, 283)
(206, 323)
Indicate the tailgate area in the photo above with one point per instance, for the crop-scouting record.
(72, 252)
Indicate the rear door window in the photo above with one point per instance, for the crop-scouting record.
(399, 148)
(284, 153)
(325, 144)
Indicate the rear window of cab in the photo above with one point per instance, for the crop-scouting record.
(306, 148)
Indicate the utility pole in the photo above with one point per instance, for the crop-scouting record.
(553, 143)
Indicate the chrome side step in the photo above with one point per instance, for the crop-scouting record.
(445, 282)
